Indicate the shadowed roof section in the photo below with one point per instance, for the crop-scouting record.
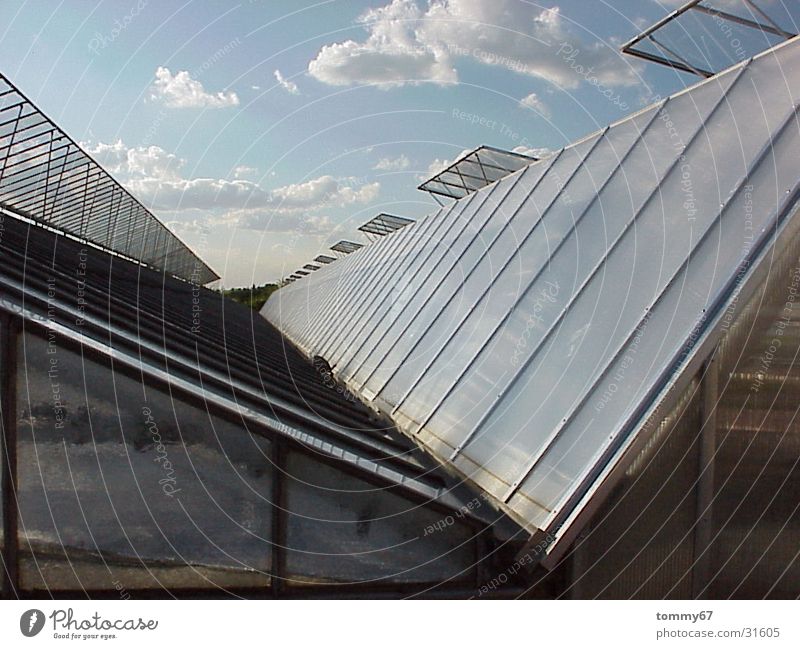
(530, 350)
(227, 357)
(47, 178)
(475, 170)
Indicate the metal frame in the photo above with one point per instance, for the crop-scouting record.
(346, 247)
(384, 224)
(462, 187)
(45, 176)
(674, 59)
(8, 452)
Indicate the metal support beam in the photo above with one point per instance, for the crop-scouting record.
(8, 453)
(701, 568)
(278, 570)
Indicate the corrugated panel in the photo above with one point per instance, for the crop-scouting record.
(227, 354)
(640, 544)
(520, 334)
(756, 507)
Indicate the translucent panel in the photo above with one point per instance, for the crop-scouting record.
(393, 256)
(309, 294)
(122, 485)
(525, 361)
(640, 544)
(342, 530)
(679, 311)
(519, 262)
(402, 265)
(604, 315)
(539, 303)
(350, 271)
(296, 307)
(756, 474)
(467, 257)
(384, 325)
(2, 461)
(609, 218)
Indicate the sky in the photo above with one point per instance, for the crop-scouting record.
(263, 131)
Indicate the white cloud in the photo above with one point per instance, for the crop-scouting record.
(391, 55)
(154, 177)
(325, 190)
(308, 225)
(440, 165)
(181, 91)
(533, 102)
(243, 171)
(288, 86)
(537, 153)
(408, 45)
(393, 164)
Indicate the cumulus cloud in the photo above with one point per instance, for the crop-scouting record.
(533, 152)
(440, 165)
(392, 55)
(308, 225)
(181, 91)
(325, 190)
(243, 171)
(406, 45)
(393, 164)
(288, 86)
(533, 102)
(155, 177)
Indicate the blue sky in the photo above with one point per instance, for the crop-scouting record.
(264, 131)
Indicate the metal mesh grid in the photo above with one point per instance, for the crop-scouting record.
(475, 170)
(46, 177)
(384, 224)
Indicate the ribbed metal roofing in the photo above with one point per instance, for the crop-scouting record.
(199, 342)
(523, 334)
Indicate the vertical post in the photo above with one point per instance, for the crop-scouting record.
(579, 565)
(278, 518)
(8, 451)
(704, 528)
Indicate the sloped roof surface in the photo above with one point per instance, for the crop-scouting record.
(192, 337)
(47, 177)
(521, 333)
